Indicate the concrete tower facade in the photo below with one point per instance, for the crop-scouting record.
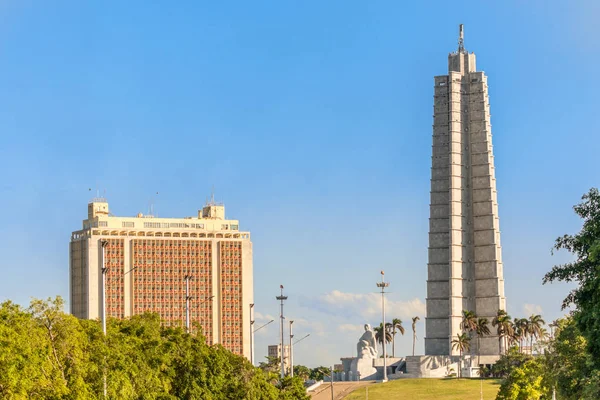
(465, 257)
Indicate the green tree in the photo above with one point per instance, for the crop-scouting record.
(395, 328)
(23, 357)
(570, 366)
(534, 328)
(291, 389)
(414, 329)
(521, 328)
(524, 382)
(382, 332)
(47, 354)
(273, 364)
(302, 372)
(482, 329)
(319, 373)
(462, 343)
(584, 270)
(504, 328)
(469, 322)
(65, 343)
(512, 359)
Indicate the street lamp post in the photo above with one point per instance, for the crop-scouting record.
(104, 243)
(200, 315)
(187, 303)
(383, 284)
(291, 351)
(282, 298)
(260, 327)
(299, 340)
(251, 335)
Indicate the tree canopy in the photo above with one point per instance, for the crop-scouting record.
(48, 354)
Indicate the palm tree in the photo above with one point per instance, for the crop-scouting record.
(504, 328)
(414, 328)
(469, 322)
(521, 330)
(396, 324)
(515, 337)
(481, 329)
(462, 343)
(535, 324)
(553, 325)
(380, 332)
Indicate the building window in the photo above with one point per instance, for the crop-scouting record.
(102, 224)
(125, 224)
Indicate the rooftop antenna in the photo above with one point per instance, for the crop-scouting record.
(461, 39)
(212, 196)
(151, 211)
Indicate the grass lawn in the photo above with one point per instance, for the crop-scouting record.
(429, 389)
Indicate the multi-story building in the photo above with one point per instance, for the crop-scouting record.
(465, 269)
(149, 261)
(274, 350)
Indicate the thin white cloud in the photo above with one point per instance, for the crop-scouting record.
(350, 328)
(259, 317)
(531, 309)
(367, 306)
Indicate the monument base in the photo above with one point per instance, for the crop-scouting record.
(363, 369)
(431, 366)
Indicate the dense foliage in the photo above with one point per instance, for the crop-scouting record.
(570, 363)
(47, 354)
(585, 270)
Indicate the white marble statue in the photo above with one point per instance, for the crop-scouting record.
(367, 345)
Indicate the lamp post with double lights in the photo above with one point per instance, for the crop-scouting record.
(383, 284)
(104, 243)
(187, 303)
(291, 350)
(209, 298)
(301, 339)
(292, 344)
(260, 327)
(104, 270)
(281, 298)
(252, 334)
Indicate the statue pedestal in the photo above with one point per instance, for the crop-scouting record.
(364, 368)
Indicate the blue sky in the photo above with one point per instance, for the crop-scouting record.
(313, 121)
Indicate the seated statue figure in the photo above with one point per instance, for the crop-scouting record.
(367, 345)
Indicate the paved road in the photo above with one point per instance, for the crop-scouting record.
(340, 390)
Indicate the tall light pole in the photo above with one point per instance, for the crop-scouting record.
(299, 340)
(187, 302)
(291, 351)
(281, 298)
(104, 243)
(260, 327)
(383, 284)
(251, 335)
